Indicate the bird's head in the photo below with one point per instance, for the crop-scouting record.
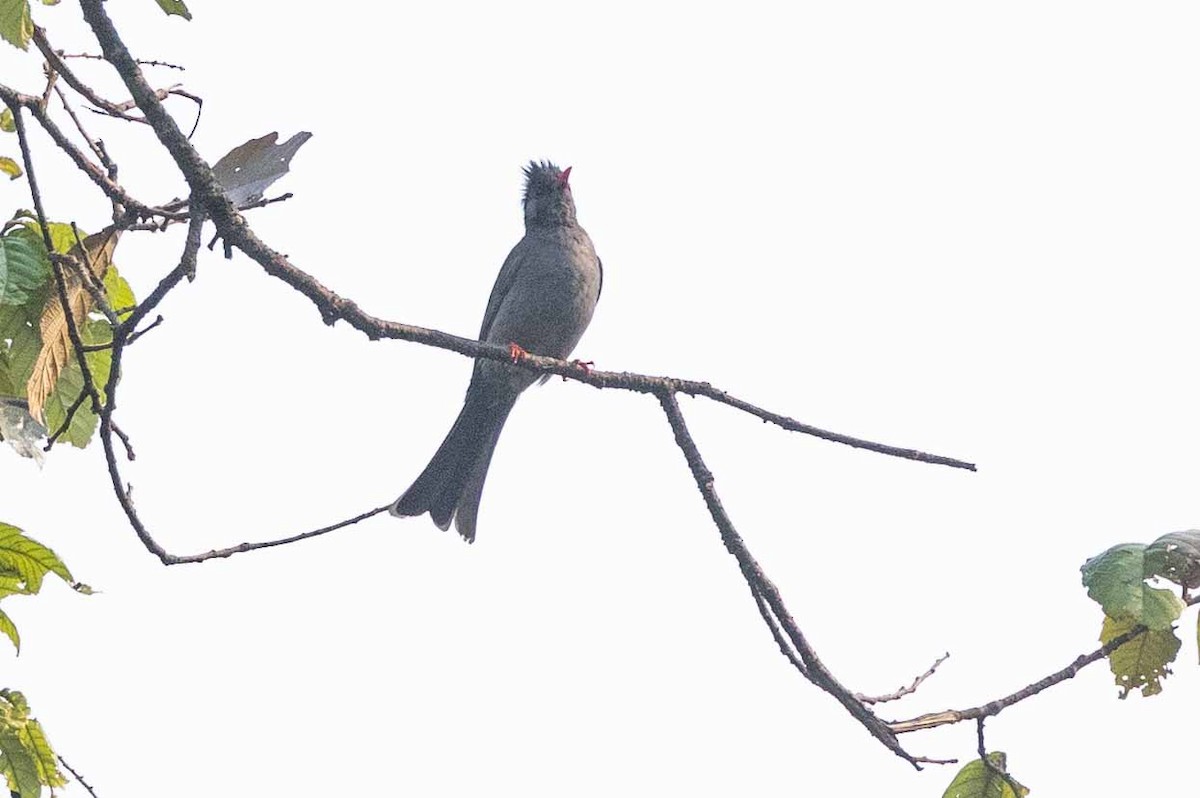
(547, 200)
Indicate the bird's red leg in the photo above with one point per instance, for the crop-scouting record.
(516, 352)
(586, 365)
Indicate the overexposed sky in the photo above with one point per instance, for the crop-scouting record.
(966, 228)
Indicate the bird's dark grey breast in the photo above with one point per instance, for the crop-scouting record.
(553, 293)
(551, 297)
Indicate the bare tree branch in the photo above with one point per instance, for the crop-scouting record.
(97, 175)
(903, 691)
(78, 777)
(207, 198)
(56, 64)
(935, 719)
(89, 384)
(266, 544)
(765, 592)
(65, 425)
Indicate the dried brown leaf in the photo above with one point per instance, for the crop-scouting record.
(56, 348)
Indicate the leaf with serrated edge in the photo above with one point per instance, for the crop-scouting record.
(18, 708)
(119, 294)
(9, 629)
(57, 347)
(22, 350)
(16, 25)
(11, 584)
(20, 767)
(175, 7)
(95, 332)
(977, 780)
(15, 546)
(247, 170)
(23, 268)
(34, 738)
(1143, 662)
(62, 235)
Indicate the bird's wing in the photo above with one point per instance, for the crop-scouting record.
(504, 283)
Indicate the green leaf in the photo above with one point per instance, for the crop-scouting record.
(977, 779)
(10, 167)
(120, 295)
(23, 347)
(19, 766)
(28, 557)
(11, 585)
(16, 26)
(175, 7)
(21, 327)
(16, 710)
(1116, 581)
(62, 235)
(94, 332)
(6, 121)
(24, 268)
(10, 630)
(1143, 662)
(26, 757)
(34, 738)
(1176, 557)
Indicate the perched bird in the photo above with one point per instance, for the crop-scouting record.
(542, 302)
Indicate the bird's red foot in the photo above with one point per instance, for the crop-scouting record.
(586, 365)
(516, 352)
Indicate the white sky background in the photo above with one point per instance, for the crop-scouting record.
(964, 228)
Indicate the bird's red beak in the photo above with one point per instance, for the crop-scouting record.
(564, 176)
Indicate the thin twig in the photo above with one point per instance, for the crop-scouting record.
(66, 421)
(136, 334)
(56, 63)
(780, 640)
(233, 229)
(928, 760)
(78, 777)
(89, 384)
(99, 153)
(814, 670)
(989, 764)
(161, 94)
(88, 277)
(51, 84)
(140, 61)
(266, 544)
(129, 455)
(903, 691)
(95, 173)
(934, 719)
(121, 336)
(199, 107)
(207, 197)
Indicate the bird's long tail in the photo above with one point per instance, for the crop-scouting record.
(451, 485)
